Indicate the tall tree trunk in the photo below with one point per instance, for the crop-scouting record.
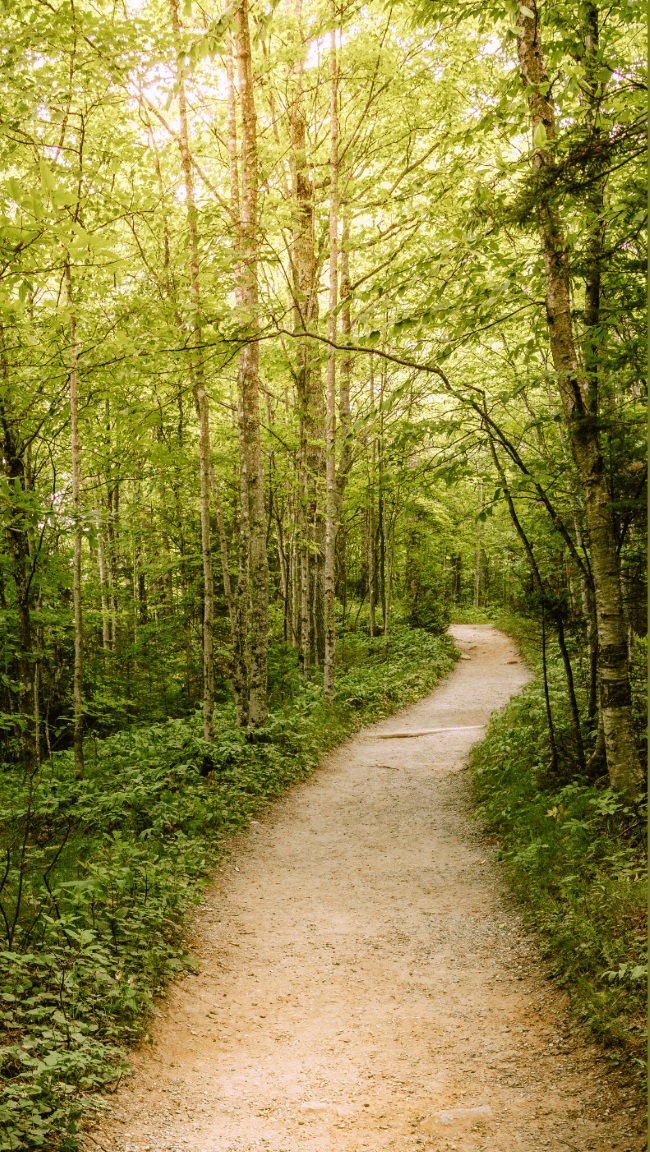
(456, 577)
(238, 606)
(249, 378)
(594, 205)
(592, 339)
(78, 537)
(582, 425)
(547, 698)
(295, 590)
(304, 566)
(390, 548)
(283, 562)
(305, 280)
(101, 557)
(345, 377)
(40, 640)
(239, 673)
(13, 465)
(479, 551)
(112, 524)
(200, 394)
(370, 542)
(333, 504)
(371, 560)
(112, 537)
(381, 502)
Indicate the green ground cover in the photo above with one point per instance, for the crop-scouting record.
(574, 851)
(96, 876)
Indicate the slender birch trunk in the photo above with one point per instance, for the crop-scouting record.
(12, 462)
(477, 556)
(381, 501)
(293, 570)
(77, 689)
(389, 569)
(239, 674)
(242, 597)
(304, 566)
(37, 685)
(333, 505)
(576, 389)
(371, 558)
(249, 377)
(101, 559)
(345, 377)
(312, 481)
(200, 394)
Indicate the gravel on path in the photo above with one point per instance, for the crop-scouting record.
(365, 981)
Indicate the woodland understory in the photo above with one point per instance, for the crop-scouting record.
(321, 324)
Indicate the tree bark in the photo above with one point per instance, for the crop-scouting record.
(304, 568)
(345, 377)
(582, 425)
(103, 583)
(77, 691)
(200, 395)
(586, 590)
(305, 278)
(547, 698)
(370, 542)
(239, 672)
(390, 549)
(332, 521)
(18, 540)
(249, 377)
(478, 553)
(241, 598)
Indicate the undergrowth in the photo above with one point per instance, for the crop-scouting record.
(575, 856)
(98, 874)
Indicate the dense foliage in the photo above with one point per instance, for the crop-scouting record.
(575, 855)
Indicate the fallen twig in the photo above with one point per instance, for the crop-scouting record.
(421, 732)
(87, 1136)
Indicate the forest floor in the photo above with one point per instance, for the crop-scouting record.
(365, 981)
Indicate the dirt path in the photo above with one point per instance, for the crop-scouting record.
(365, 983)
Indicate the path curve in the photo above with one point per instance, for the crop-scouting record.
(365, 981)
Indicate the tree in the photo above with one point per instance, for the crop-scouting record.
(578, 393)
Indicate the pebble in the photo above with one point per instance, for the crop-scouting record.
(452, 1115)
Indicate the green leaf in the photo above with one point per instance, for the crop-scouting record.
(47, 178)
(539, 135)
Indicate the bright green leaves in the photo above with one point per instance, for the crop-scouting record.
(540, 139)
(47, 178)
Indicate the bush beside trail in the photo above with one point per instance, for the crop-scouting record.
(575, 856)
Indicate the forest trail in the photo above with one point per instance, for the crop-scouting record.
(364, 979)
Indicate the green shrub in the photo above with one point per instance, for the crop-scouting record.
(575, 856)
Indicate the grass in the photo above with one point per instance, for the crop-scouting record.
(575, 857)
(99, 874)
